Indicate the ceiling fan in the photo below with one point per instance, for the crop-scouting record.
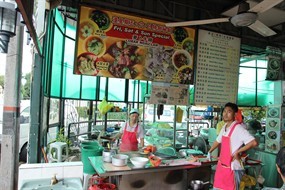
(244, 17)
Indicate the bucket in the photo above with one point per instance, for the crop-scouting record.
(88, 151)
(89, 143)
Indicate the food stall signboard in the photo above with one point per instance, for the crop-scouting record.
(111, 44)
(217, 68)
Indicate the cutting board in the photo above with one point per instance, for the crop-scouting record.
(109, 167)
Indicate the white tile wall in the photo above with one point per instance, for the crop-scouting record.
(47, 170)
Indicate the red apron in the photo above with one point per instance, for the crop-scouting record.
(129, 140)
(224, 176)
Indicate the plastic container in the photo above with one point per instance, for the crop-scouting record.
(88, 151)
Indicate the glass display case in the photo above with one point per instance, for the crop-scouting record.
(166, 131)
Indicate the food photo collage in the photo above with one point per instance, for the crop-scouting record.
(115, 45)
(275, 128)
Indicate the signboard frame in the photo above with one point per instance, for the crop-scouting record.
(217, 68)
(131, 47)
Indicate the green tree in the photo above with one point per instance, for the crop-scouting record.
(2, 81)
(2, 77)
(26, 88)
(82, 112)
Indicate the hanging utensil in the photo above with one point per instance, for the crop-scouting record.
(108, 145)
(159, 110)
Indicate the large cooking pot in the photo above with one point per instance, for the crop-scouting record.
(198, 184)
(120, 159)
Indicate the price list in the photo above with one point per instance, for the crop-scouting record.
(217, 68)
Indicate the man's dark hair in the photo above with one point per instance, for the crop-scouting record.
(233, 106)
(280, 160)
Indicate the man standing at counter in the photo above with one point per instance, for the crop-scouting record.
(234, 140)
(130, 132)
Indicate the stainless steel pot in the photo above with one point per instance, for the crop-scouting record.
(120, 159)
(183, 153)
(198, 184)
(107, 156)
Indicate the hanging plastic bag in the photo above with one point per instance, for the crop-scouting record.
(100, 183)
(238, 116)
(179, 115)
(247, 181)
(104, 107)
(159, 110)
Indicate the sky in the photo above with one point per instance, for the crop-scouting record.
(27, 58)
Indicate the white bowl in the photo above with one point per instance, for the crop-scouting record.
(120, 159)
(139, 162)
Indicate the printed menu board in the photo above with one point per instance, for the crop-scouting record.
(116, 45)
(170, 94)
(217, 68)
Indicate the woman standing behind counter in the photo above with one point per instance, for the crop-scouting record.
(130, 132)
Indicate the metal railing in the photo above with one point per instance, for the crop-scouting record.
(76, 129)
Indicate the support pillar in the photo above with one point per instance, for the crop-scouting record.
(11, 113)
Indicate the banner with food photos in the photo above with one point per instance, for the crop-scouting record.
(111, 44)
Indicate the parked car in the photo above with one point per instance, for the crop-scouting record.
(24, 132)
(24, 127)
(71, 116)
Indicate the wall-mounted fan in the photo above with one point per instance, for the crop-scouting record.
(244, 17)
